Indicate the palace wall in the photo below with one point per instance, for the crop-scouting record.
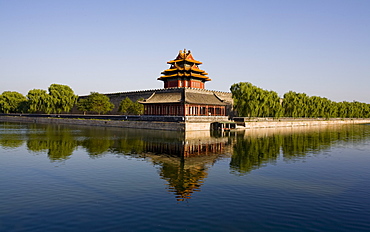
(116, 98)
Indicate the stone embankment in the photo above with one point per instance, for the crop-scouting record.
(189, 124)
(176, 126)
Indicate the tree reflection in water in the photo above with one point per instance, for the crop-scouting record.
(251, 153)
(12, 135)
(256, 148)
(97, 141)
(182, 159)
(58, 141)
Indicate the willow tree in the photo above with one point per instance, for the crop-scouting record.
(342, 111)
(12, 102)
(62, 98)
(296, 104)
(251, 101)
(321, 107)
(39, 101)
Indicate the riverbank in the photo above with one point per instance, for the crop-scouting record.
(172, 126)
(187, 125)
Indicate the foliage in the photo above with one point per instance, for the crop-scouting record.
(12, 102)
(301, 105)
(295, 104)
(39, 101)
(62, 98)
(83, 105)
(124, 105)
(95, 102)
(129, 107)
(251, 101)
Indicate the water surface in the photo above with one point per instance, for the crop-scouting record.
(70, 178)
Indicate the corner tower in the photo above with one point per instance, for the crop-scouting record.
(184, 72)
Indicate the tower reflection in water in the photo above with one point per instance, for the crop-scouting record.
(184, 162)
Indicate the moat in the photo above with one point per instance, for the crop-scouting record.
(79, 178)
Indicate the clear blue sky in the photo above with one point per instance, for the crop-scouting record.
(319, 47)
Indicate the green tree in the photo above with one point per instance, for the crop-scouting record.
(39, 101)
(97, 102)
(296, 104)
(342, 109)
(127, 106)
(330, 109)
(315, 107)
(273, 107)
(83, 105)
(12, 102)
(139, 108)
(251, 101)
(62, 98)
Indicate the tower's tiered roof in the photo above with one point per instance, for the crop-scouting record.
(184, 66)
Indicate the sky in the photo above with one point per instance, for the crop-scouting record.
(317, 47)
